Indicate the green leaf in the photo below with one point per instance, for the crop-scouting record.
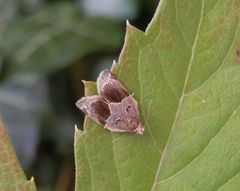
(185, 74)
(55, 37)
(11, 174)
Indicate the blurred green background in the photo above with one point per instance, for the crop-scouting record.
(46, 48)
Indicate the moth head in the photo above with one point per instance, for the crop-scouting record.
(139, 130)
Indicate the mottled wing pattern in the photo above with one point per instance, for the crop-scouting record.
(95, 108)
(114, 108)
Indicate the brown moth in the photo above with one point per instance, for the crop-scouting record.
(114, 108)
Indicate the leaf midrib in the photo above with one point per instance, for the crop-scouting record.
(181, 99)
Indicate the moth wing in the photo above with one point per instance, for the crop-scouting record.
(110, 88)
(95, 107)
(124, 116)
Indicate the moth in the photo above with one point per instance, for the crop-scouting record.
(113, 108)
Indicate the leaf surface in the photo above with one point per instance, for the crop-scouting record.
(11, 174)
(184, 72)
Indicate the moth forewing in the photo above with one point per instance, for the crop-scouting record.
(95, 107)
(124, 116)
(110, 88)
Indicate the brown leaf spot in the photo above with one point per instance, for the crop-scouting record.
(238, 52)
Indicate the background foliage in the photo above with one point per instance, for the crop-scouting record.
(46, 48)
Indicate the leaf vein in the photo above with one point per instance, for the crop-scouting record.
(180, 102)
(220, 67)
(228, 180)
(114, 159)
(148, 126)
(91, 176)
(198, 156)
(170, 86)
(178, 26)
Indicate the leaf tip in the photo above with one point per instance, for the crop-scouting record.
(114, 65)
(31, 184)
(89, 87)
(76, 129)
(77, 134)
(129, 26)
(32, 180)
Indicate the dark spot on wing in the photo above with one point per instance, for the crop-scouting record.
(101, 111)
